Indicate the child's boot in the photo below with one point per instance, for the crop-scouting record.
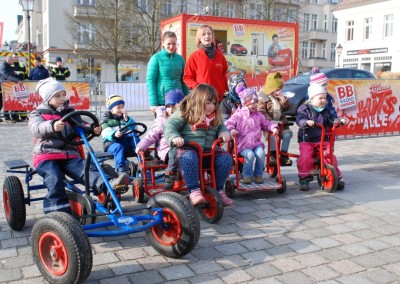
(246, 180)
(226, 201)
(304, 184)
(259, 179)
(196, 197)
(285, 161)
(273, 157)
(170, 179)
(120, 184)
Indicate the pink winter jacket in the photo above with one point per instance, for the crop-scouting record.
(156, 135)
(249, 126)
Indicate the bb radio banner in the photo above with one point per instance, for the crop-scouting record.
(371, 106)
(25, 97)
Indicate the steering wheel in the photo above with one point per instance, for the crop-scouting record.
(75, 119)
(140, 132)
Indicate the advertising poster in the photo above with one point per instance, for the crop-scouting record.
(255, 46)
(371, 106)
(26, 98)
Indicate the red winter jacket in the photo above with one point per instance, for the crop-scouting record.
(201, 69)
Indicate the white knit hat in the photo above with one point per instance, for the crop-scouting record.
(47, 88)
(314, 90)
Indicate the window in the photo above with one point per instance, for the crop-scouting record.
(146, 5)
(167, 7)
(333, 51)
(229, 10)
(326, 23)
(292, 16)
(86, 2)
(323, 50)
(260, 12)
(313, 48)
(85, 34)
(368, 28)
(314, 22)
(304, 50)
(334, 24)
(350, 30)
(306, 24)
(388, 25)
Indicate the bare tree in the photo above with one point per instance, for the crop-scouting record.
(272, 10)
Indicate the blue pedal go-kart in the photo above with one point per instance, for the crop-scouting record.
(60, 244)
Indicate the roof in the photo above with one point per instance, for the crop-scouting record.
(347, 4)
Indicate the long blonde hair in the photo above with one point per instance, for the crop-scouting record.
(199, 33)
(193, 106)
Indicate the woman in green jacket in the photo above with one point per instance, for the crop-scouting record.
(165, 72)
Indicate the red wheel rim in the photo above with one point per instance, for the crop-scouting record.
(53, 253)
(329, 179)
(137, 190)
(169, 232)
(271, 170)
(212, 210)
(102, 197)
(6, 203)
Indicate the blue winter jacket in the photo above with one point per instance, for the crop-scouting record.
(39, 73)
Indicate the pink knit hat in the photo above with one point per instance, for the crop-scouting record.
(319, 79)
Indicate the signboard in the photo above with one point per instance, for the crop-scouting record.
(372, 106)
(26, 98)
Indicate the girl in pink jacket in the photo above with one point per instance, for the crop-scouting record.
(247, 124)
(156, 136)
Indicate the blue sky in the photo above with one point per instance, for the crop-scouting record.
(8, 15)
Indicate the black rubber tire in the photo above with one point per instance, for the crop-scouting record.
(331, 182)
(132, 168)
(138, 190)
(60, 233)
(14, 203)
(283, 188)
(229, 189)
(213, 210)
(179, 216)
(272, 170)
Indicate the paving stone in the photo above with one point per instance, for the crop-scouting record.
(14, 242)
(346, 267)
(256, 257)
(129, 254)
(257, 244)
(234, 276)
(346, 238)
(31, 271)
(325, 242)
(334, 254)
(295, 277)
(124, 279)
(206, 253)
(104, 258)
(153, 262)
(262, 270)
(148, 277)
(320, 273)
(232, 261)
(380, 275)
(393, 268)
(287, 264)
(100, 272)
(176, 272)
(125, 267)
(355, 249)
(10, 275)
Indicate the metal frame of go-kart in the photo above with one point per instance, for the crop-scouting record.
(60, 244)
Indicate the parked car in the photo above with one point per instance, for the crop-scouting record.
(298, 85)
(238, 49)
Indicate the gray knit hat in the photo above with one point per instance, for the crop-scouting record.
(48, 88)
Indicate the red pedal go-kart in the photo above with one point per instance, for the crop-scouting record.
(151, 182)
(276, 182)
(60, 244)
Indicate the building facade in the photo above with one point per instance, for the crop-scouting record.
(367, 32)
(51, 33)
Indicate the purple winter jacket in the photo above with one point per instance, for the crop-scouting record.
(156, 135)
(249, 126)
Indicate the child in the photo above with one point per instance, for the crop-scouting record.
(114, 141)
(52, 156)
(231, 101)
(273, 107)
(247, 124)
(322, 80)
(199, 119)
(308, 115)
(156, 136)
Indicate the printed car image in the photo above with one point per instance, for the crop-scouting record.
(238, 49)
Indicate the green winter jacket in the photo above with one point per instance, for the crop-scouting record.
(176, 126)
(164, 73)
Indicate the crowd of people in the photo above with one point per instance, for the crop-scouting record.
(15, 71)
(192, 102)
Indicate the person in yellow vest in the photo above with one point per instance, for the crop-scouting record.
(22, 74)
(59, 72)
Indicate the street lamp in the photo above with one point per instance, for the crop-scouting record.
(27, 6)
(339, 49)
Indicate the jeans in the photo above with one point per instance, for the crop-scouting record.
(119, 149)
(189, 163)
(257, 155)
(286, 136)
(52, 172)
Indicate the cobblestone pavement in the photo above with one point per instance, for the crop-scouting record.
(352, 236)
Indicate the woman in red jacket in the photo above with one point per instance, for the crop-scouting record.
(207, 64)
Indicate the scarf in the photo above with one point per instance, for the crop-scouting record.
(205, 124)
(210, 50)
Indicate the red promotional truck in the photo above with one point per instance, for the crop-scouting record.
(256, 46)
